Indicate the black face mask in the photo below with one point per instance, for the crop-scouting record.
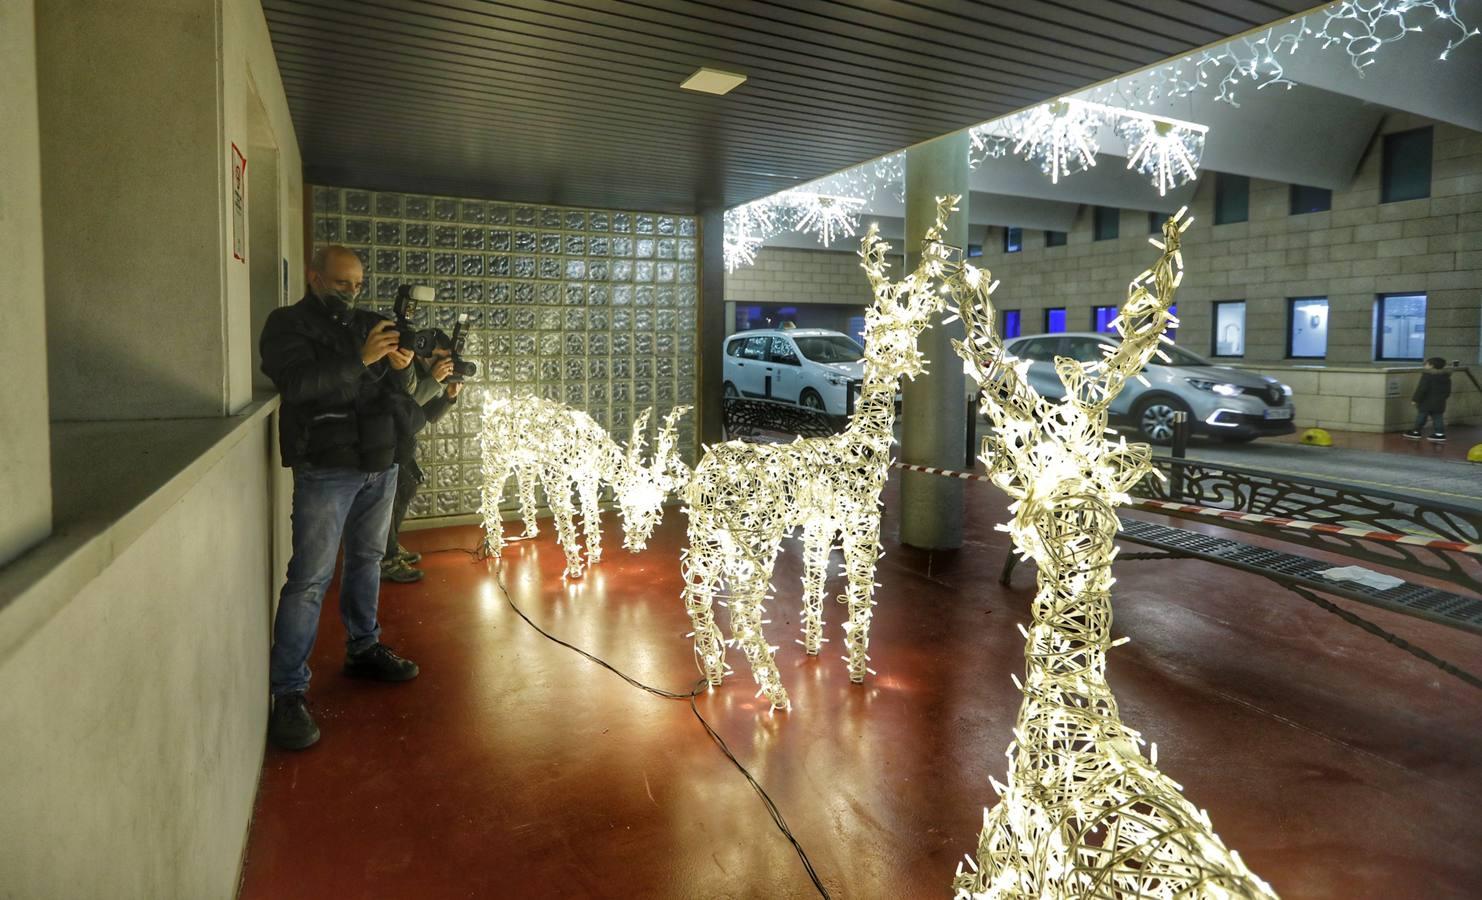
(337, 302)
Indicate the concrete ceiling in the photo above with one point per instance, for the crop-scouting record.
(578, 101)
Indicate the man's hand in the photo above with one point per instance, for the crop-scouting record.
(400, 359)
(442, 369)
(381, 341)
(453, 389)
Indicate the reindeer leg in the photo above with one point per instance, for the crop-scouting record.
(558, 495)
(701, 565)
(493, 495)
(527, 476)
(591, 519)
(750, 577)
(861, 550)
(817, 544)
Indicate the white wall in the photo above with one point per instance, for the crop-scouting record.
(25, 482)
(134, 719)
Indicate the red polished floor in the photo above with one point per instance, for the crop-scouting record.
(1337, 765)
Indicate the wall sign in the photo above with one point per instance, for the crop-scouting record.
(239, 205)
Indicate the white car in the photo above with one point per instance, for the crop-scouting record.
(812, 367)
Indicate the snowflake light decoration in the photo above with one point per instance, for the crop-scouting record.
(1165, 150)
(744, 498)
(1059, 135)
(1084, 814)
(824, 215)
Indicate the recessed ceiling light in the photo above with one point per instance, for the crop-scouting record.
(712, 81)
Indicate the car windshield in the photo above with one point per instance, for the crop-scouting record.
(829, 348)
(1178, 357)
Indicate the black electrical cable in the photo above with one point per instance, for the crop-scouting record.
(771, 806)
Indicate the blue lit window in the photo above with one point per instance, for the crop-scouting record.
(1013, 240)
(1055, 320)
(1101, 319)
(1010, 323)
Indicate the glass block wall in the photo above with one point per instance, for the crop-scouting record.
(594, 308)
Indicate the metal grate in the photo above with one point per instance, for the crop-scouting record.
(1412, 599)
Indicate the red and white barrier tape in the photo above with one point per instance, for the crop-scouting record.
(1386, 537)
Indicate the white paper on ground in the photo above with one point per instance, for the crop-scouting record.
(1366, 577)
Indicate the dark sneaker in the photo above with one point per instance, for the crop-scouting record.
(399, 572)
(407, 556)
(290, 726)
(1437, 439)
(380, 663)
(1413, 435)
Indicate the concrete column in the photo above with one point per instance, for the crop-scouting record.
(712, 322)
(133, 170)
(933, 417)
(25, 443)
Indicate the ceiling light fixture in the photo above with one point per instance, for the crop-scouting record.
(713, 81)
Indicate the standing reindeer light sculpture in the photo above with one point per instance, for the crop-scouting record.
(744, 498)
(1084, 813)
(564, 450)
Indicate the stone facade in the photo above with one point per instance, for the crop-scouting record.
(1351, 254)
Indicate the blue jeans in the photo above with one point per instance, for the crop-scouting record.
(1438, 420)
(329, 503)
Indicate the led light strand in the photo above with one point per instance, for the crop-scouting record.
(1361, 27)
(1084, 812)
(744, 498)
(565, 451)
(1166, 151)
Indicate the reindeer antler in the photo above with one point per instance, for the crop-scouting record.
(639, 438)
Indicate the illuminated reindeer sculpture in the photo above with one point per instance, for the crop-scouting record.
(744, 498)
(1084, 813)
(563, 450)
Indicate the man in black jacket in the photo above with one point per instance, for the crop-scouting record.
(345, 395)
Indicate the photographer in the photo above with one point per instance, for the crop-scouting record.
(432, 390)
(345, 409)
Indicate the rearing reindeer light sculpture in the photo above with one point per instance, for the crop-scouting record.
(1084, 813)
(744, 498)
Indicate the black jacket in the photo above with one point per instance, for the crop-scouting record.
(1432, 391)
(336, 411)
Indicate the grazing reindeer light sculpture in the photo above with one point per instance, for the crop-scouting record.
(744, 498)
(564, 450)
(1084, 814)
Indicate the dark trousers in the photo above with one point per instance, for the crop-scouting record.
(406, 489)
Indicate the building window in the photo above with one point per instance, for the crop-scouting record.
(1310, 199)
(1013, 240)
(1010, 323)
(1231, 198)
(1101, 319)
(1229, 328)
(1055, 320)
(1173, 328)
(974, 250)
(1106, 223)
(1307, 327)
(1407, 166)
(1055, 238)
(1399, 326)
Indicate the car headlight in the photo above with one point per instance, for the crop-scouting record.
(1286, 390)
(835, 379)
(1219, 387)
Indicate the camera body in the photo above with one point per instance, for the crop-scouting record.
(421, 342)
(462, 368)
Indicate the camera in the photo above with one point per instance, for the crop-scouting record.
(408, 297)
(462, 368)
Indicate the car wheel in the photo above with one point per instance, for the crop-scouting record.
(811, 400)
(730, 391)
(1154, 418)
